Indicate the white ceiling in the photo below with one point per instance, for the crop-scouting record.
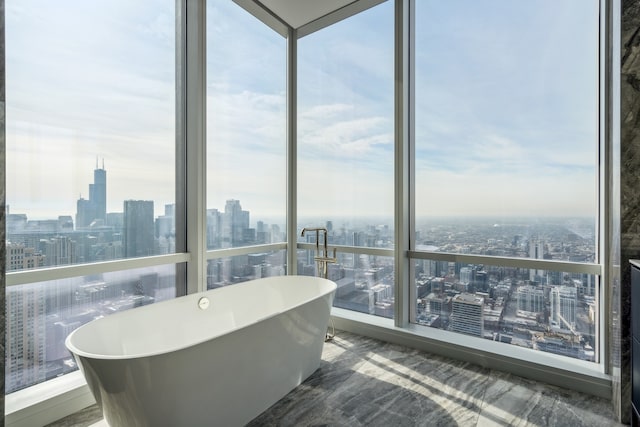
(297, 13)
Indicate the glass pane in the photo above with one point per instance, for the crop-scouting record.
(365, 282)
(345, 125)
(90, 130)
(246, 129)
(241, 268)
(538, 309)
(506, 129)
(41, 315)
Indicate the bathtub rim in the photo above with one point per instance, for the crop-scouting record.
(330, 285)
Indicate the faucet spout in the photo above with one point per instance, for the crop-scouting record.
(322, 256)
(316, 229)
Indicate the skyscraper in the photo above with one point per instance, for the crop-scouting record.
(530, 298)
(564, 301)
(214, 226)
(467, 314)
(466, 275)
(138, 228)
(165, 224)
(536, 251)
(88, 211)
(235, 224)
(59, 250)
(25, 336)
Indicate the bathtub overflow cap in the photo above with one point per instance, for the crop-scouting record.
(203, 303)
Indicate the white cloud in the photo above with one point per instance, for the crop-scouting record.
(443, 193)
(502, 121)
(325, 111)
(344, 137)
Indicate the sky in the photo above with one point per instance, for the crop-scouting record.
(83, 82)
(506, 108)
(507, 112)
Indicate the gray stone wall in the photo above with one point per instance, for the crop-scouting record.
(629, 203)
(2, 213)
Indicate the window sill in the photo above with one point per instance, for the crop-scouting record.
(578, 375)
(47, 402)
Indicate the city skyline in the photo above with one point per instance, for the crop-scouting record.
(538, 309)
(137, 227)
(99, 183)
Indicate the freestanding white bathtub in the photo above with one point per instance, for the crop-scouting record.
(176, 364)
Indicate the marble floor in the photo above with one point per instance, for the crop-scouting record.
(365, 382)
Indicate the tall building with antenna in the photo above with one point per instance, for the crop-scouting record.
(95, 208)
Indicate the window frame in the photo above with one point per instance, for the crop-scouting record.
(589, 377)
(45, 402)
(191, 255)
(602, 214)
(406, 174)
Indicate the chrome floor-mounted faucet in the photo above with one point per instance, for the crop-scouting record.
(322, 257)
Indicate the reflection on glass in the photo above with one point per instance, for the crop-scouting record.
(41, 315)
(543, 310)
(365, 282)
(90, 134)
(241, 268)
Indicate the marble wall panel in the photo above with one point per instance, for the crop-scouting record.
(629, 204)
(2, 213)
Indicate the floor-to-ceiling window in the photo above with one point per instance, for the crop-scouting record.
(506, 218)
(90, 142)
(246, 147)
(506, 165)
(345, 155)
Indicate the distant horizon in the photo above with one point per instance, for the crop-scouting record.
(368, 219)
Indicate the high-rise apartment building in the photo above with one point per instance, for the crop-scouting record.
(467, 315)
(165, 224)
(439, 304)
(466, 275)
(536, 251)
(25, 336)
(166, 230)
(20, 257)
(235, 225)
(530, 298)
(59, 250)
(214, 227)
(564, 301)
(138, 228)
